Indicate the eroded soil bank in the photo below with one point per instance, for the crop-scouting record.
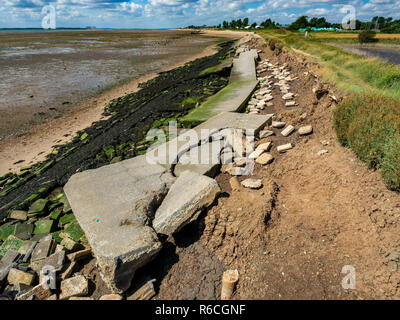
(313, 216)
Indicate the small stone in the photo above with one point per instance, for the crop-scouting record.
(79, 255)
(278, 124)
(284, 147)
(19, 215)
(266, 133)
(264, 146)
(111, 297)
(305, 130)
(290, 103)
(256, 154)
(287, 96)
(322, 152)
(39, 292)
(16, 276)
(252, 183)
(74, 287)
(264, 159)
(69, 244)
(287, 131)
(235, 184)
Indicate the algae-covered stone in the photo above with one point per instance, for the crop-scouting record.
(68, 243)
(6, 230)
(43, 226)
(39, 207)
(55, 214)
(74, 231)
(11, 243)
(23, 228)
(66, 219)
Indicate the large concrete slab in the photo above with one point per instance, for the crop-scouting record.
(114, 205)
(187, 197)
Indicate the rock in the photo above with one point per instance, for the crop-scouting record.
(252, 183)
(79, 255)
(235, 184)
(287, 131)
(287, 96)
(39, 207)
(81, 298)
(67, 272)
(42, 250)
(322, 152)
(189, 194)
(256, 154)
(290, 103)
(278, 124)
(56, 261)
(26, 246)
(264, 159)
(11, 243)
(39, 293)
(19, 215)
(43, 226)
(284, 147)
(111, 297)
(266, 133)
(74, 287)
(264, 146)
(305, 130)
(69, 244)
(7, 262)
(16, 276)
(29, 251)
(145, 292)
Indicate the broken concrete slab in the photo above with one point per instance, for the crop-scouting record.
(190, 193)
(305, 130)
(252, 183)
(16, 276)
(284, 147)
(122, 241)
(264, 159)
(287, 131)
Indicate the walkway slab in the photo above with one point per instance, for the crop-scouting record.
(244, 68)
(114, 206)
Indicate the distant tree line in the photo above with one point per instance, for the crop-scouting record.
(242, 24)
(387, 25)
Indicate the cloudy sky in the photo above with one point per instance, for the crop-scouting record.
(180, 13)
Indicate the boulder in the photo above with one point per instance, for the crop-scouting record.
(190, 193)
(74, 287)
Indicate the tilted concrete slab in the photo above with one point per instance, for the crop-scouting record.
(187, 197)
(114, 205)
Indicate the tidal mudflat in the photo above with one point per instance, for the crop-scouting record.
(45, 73)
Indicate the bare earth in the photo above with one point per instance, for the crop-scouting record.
(314, 215)
(36, 142)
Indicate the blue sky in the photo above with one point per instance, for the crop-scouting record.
(180, 13)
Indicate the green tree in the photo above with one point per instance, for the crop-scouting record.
(301, 22)
(245, 22)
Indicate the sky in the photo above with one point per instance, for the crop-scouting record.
(181, 13)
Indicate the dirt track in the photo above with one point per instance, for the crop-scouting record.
(291, 239)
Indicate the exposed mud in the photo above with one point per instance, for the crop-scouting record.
(121, 135)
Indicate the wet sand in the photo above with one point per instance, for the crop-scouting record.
(34, 142)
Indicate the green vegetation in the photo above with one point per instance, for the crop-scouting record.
(370, 125)
(367, 36)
